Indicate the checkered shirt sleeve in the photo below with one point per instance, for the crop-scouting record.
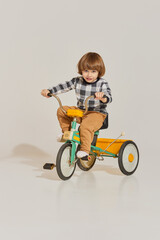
(107, 91)
(64, 87)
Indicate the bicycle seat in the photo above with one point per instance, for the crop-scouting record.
(74, 113)
(105, 123)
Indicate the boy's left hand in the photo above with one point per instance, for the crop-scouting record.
(99, 96)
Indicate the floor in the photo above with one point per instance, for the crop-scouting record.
(99, 204)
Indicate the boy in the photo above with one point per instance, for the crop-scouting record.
(91, 68)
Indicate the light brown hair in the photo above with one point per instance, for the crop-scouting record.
(91, 61)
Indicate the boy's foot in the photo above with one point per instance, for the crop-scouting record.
(60, 137)
(83, 155)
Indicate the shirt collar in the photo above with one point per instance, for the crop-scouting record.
(91, 82)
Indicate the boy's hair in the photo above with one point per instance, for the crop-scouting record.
(91, 61)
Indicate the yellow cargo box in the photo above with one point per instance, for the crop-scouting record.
(105, 142)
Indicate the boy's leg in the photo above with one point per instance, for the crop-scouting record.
(91, 122)
(64, 120)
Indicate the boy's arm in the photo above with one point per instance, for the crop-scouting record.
(65, 87)
(107, 92)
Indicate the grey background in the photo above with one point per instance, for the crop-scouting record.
(41, 43)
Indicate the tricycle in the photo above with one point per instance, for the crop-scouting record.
(126, 151)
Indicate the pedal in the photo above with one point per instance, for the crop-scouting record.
(49, 166)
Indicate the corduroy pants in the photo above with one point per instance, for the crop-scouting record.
(89, 123)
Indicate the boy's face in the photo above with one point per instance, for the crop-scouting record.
(90, 75)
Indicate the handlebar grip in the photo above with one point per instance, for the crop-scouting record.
(49, 94)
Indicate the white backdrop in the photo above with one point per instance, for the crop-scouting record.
(40, 45)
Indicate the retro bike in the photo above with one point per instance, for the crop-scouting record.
(126, 151)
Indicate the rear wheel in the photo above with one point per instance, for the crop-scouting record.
(63, 162)
(128, 158)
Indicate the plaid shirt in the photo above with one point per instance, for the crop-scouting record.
(84, 90)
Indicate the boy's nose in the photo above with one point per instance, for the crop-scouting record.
(89, 74)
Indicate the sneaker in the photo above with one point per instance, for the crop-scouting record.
(83, 155)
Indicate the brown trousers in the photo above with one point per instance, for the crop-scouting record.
(89, 123)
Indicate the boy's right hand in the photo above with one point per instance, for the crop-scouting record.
(45, 92)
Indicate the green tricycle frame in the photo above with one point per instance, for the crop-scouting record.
(125, 150)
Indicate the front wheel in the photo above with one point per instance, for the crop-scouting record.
(128, 158)
(63, 162)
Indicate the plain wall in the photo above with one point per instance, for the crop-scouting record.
(40, 45)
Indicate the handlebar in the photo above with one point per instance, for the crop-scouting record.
(60, 103)
(86, 101)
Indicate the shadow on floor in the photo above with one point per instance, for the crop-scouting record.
(35, 157)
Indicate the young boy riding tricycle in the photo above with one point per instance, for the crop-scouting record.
(93, 95)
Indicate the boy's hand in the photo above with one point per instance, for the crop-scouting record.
(44, 93)
(99, 96)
